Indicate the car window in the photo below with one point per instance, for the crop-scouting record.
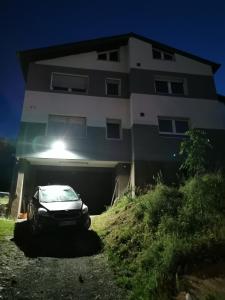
(54, 194)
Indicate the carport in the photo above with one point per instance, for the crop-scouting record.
(95, 181)
(95, 185)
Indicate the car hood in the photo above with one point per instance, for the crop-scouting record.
(69, 205)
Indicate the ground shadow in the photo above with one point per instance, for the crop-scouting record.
(63, 242)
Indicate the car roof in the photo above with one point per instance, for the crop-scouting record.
(57, 186)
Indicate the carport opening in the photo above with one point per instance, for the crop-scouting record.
(95, 185)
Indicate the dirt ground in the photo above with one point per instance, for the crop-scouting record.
(66, 264)
(205, 281)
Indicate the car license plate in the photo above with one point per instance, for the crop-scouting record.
(67, 223)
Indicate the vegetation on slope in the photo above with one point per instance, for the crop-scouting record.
(153, 238)
(6, 228)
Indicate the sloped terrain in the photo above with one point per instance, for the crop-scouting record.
(156, 241)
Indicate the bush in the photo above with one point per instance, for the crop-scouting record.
(204, 202)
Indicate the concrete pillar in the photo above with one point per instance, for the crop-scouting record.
(122, 178)
(132, 179)
(16, 196)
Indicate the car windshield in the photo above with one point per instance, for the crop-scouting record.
(57, 194)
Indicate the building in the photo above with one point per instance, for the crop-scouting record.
(120, 105)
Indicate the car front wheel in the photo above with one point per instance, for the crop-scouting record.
(34, 225)
(86, 223)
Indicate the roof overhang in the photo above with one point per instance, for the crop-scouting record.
(100, 44)
(71, 163)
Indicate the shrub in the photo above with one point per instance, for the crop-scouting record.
(194, 152)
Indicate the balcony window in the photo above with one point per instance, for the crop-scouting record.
(174, 126)
(113, 129)
(173, 87)
(66, 126)
(69, 83)
(163, 55)
(112, 55)
(113, 87)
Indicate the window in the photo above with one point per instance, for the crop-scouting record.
(66, 126)
(173, 126)
(102, 56)
(168, 56)
(113, 87)
(161, 87)
(69, 83)
(157, 54)
(114, 56)
(177, 87)
(174, 87)
(109, 55)
(161, 54)
(113, 129)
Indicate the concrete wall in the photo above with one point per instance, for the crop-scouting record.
(201, 112)
(38, 105)
(89, 61)
(149, 145)
(141, 52)
(148, 172)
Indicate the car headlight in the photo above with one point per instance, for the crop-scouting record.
(42, 211)
(84, 209)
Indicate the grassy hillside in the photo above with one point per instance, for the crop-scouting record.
(154, 239)
(6, 228)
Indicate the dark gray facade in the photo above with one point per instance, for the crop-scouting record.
(198, 86)
(95, 146)
(39, 79)
(149, 145)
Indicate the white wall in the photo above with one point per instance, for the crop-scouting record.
(37, 106)
(202, 113)
(140, 51)
(89, 61)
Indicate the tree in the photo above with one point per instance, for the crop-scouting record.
(194, 152)
(7, 161)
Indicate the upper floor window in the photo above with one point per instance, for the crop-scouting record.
(161, 54)
(113, 129)
(66, 126)
(69, 83)
(176, 126)
(112, 55)
(113, 87)
(174, 87)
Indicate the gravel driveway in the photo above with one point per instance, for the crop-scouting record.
(63, 265)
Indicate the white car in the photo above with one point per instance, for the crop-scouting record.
(56, 206)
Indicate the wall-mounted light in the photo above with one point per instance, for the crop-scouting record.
(58, 146)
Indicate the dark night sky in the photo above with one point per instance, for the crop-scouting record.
(195, 26)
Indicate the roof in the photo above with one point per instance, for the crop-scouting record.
(221, 98)
(100, 44)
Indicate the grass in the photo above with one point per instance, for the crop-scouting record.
(152, 238)
(6, 228)
(4, 200)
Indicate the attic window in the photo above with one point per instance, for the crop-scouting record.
(112, 55)
(69, 83)
(163, 55)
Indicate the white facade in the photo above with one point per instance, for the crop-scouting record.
(141, 52)
(202, 113)
(89, 61)
(38, 105)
